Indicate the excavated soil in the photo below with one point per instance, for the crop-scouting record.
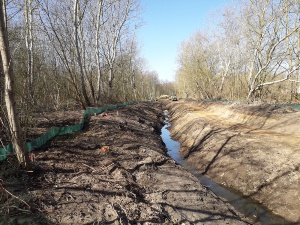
(254, 149)
(116, 171)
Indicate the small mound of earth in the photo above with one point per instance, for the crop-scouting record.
(116, 171)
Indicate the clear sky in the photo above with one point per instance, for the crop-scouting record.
(166, 24)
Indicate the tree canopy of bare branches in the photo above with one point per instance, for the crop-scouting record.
(253, 54)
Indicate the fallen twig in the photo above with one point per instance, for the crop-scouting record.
(89, 167)
(21, 200)
(12, 195)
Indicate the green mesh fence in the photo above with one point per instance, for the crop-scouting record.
(294, 106)
(56, 131)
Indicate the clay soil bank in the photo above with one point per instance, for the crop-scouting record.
(254, 149)
(116, 171)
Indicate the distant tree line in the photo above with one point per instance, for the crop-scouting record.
(253, 54)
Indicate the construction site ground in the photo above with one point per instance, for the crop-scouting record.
(117, 171)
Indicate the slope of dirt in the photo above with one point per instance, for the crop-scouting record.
(254, 149)
(116, 171)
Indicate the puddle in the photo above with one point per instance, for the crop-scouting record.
(244, 205)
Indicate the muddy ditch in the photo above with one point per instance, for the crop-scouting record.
(248, 207)
(253, 149)
(116, 171)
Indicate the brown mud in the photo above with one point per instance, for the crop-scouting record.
(254, 149)
(116, 171)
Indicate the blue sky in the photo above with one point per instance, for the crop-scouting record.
(166, 24)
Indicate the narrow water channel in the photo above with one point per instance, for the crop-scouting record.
(244, 205)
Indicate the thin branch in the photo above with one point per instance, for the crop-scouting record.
(14, 196)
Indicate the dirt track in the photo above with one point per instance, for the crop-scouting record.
(116, 171)
(254, 149)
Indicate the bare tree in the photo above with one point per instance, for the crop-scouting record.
(197, 63)
(1, 85)
(77, 26)
(71, 51)
(58, 30)
(128, 68)
(266, 40)
(252, 55)
(99, 21)
(15, 128)
(28, 14)
(117, 15)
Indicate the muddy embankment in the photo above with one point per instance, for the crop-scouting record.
(254, 149)
(116, 171)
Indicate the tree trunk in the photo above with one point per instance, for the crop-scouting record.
(110, 83)
(29, 46)
(224, 75)
(13, 120)
(79, 59)
(1, 85)
(97, 51)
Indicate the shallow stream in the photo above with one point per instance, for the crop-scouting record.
(245, 205)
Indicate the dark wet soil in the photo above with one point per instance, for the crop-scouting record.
(116, 171)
